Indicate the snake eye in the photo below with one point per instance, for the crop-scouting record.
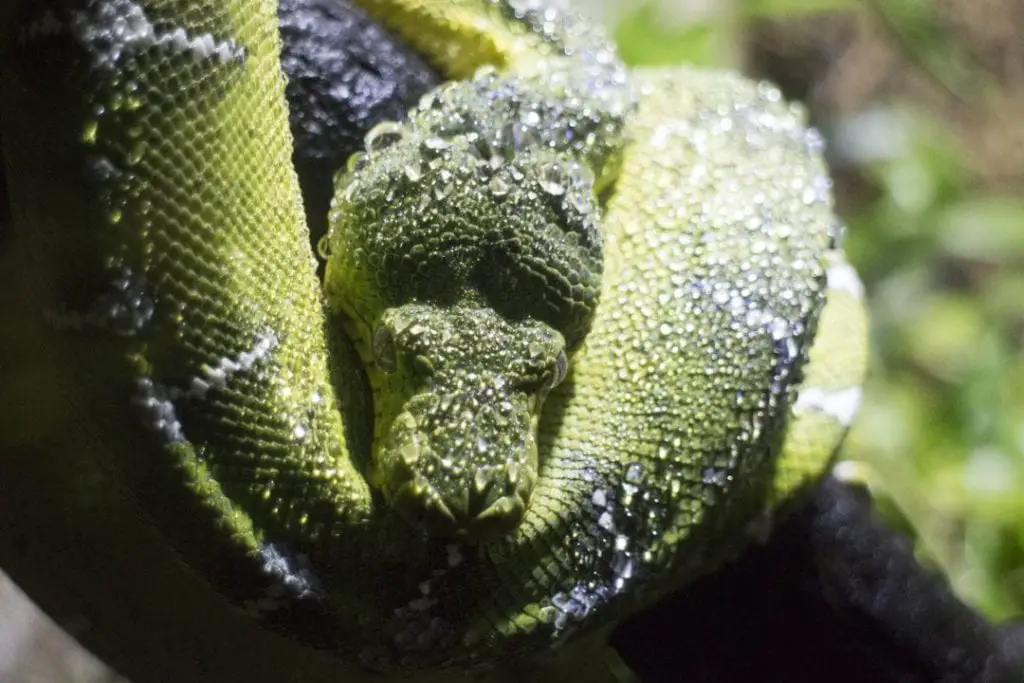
(561, 368)
(384, 353)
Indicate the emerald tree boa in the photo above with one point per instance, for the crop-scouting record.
(582, 333)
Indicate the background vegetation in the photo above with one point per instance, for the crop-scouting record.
(923, 106)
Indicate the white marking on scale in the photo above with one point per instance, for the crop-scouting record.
(841, 404)
(843, 277)
(111, 29)
(293, 570)
(157, 401)
(218, 375)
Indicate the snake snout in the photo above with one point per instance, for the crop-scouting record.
(465, 513)
(455, 488)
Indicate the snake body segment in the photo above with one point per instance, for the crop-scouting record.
(640, 383)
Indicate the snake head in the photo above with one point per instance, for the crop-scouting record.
(457, 393)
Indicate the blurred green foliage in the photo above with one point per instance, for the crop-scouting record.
(941, 432)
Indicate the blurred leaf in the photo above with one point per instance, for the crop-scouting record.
(945, 336)
(791, 7)
(984, 229)
(644, 38)
(916, 26)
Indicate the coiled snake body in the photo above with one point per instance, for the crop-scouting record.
(582, 332)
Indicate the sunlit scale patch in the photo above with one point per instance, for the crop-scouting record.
(841, 397)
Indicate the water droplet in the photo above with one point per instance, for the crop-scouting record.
(780, 328)
(356, 161)
(512, 136)
(383, 135)
(552, 181)
(836, 235)
(578, 201)
(714, 476)
(814, 142)
(413, 171)
(498, 187)
(90, 131)
(323, 247)
(428, 101)
(487, 73)
(434, 147)
(135, 153)
(580, 176)
(99, 169)
(442, 189)
(622, 565)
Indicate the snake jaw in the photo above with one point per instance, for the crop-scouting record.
(457, 491)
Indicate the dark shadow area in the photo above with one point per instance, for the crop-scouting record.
(835, 596)
(345, 75)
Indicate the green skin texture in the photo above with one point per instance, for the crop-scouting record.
(457, 456)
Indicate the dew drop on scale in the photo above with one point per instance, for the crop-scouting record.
(836, 235)
(413, 171)
(382, 136)
(498, 187)
(323, 247)
(552, 181)
(433, 147)
(356, 161)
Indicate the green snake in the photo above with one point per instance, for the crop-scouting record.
(583, 332)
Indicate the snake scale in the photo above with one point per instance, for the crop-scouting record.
(583, 331)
